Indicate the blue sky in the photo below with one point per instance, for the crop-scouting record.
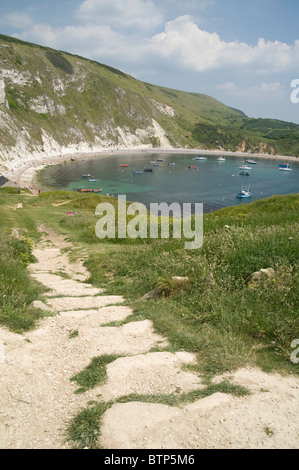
(244, 53)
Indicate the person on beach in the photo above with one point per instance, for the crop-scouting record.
(19, 190)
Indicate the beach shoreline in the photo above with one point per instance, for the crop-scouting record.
(23, 174)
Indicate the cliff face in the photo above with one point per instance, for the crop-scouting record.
(53, 102)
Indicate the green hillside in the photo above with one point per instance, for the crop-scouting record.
(51, 100)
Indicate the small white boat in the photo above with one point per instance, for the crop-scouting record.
(171, 164)
(221, 159)
(285, 167)
(200, 158)
(244, 193)
(251, 162)
(245, 167)
(92, 180)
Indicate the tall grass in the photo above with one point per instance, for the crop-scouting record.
(17, 289)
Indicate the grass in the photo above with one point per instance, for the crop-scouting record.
(17, 288)
(219, 313)
(94, 374)
(216, 315)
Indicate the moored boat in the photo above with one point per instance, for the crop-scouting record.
(244, 193)
(193, 167)
(171, 164)
(148, 170)
(221, 159)
(124, 165)
(251, 162)
(198, 157)
(137, 172)
(284, 167)
(245, 167)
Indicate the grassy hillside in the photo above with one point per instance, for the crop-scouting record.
(74, 100)
(222, 315)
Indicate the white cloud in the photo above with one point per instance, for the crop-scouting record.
(182, 46)
(259, 91)
(270, 87)
(229, 86)
(16, 19)
(199, 50)
(137, 14)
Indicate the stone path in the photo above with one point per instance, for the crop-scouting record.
(37, 398)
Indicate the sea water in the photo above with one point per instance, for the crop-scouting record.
(214, 183)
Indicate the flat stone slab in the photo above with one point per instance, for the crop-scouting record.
(146, 374)
(61, 304)
(67, 287)
(100, 316)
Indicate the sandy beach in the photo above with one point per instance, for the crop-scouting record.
(21, 172)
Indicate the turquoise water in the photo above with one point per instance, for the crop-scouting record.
(213, 183)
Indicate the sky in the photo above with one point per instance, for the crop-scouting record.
(243, 53)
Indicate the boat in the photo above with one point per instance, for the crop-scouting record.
(198, 157)
(124, 165)
(244, 193)
(193, 167)
(284, 167)
(245, 167)
(221, 159)
(97, 190)
(148, 170)
(160, 160)
(244, 173)
(152, 163)
(85, 190)
(92, 180)
(137, 172)
(171, 164)
(86, 176)
(251, 162)
(155, 164)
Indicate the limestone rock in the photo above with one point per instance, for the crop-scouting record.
(261, 275)
(41, 306)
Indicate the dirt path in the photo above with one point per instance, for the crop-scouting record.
(37, 398)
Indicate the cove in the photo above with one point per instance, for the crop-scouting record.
(211, 182)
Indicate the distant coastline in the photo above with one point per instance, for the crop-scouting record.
(23, 173)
